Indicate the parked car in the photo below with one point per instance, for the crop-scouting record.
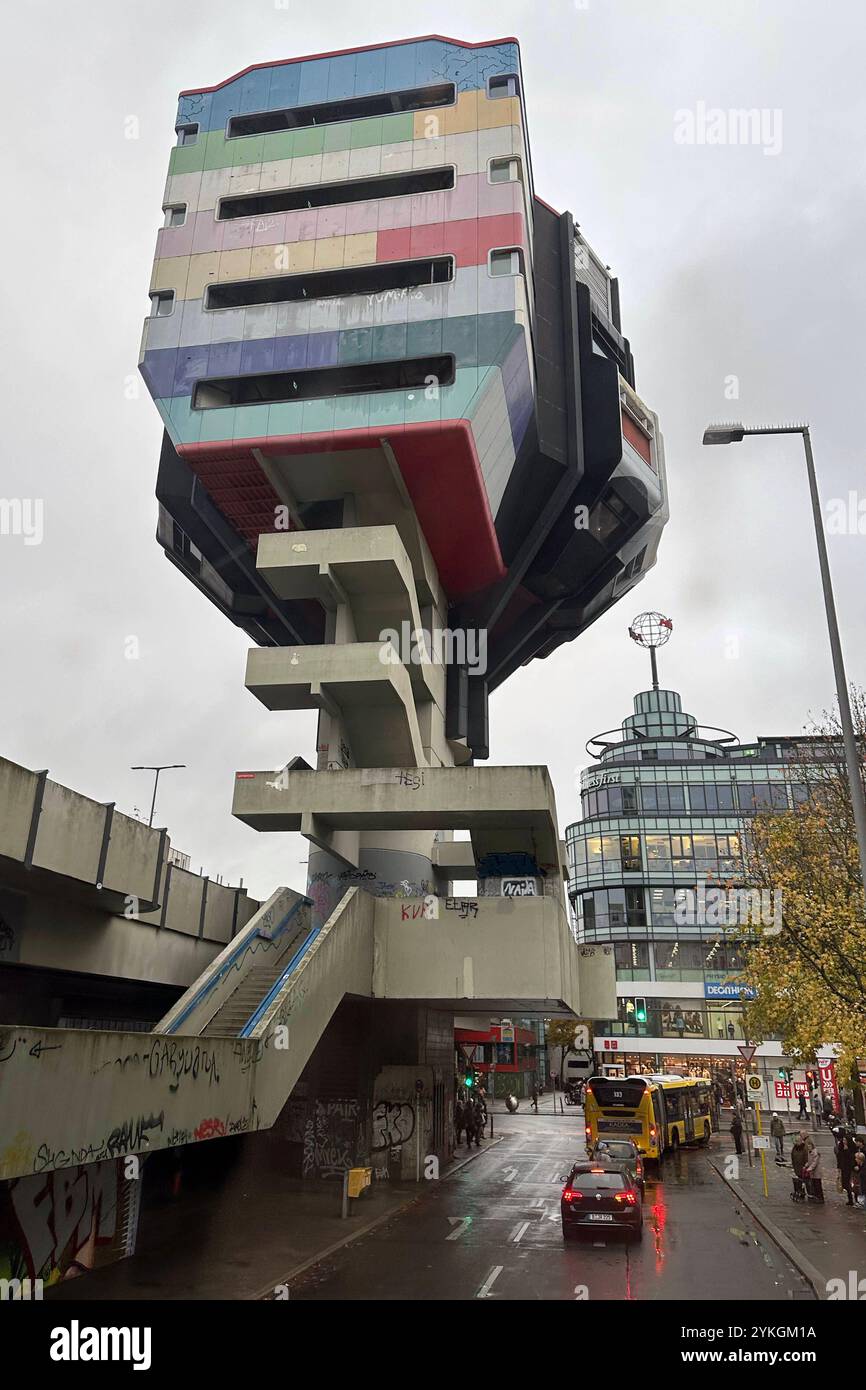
(622, 1151)
(601, 1195)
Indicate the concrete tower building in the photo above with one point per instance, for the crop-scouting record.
(396, 397)
(397, 400)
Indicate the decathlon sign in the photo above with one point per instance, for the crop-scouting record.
(727, 989)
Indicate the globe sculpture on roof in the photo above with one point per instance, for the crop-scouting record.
(651, 630)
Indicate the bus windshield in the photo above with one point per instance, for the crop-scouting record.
(612, 1093)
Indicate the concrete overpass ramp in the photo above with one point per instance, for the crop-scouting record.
(229, 1054)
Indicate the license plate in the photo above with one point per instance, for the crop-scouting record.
(600, 1216)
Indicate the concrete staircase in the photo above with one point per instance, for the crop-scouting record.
(253, 987)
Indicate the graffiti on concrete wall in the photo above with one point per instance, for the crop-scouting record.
(393, 1124)
(57, 1225)
(330, 1137)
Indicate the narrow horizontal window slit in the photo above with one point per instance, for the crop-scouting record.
(350, 109)
(405, 374)
(330, 284)
(324, 195)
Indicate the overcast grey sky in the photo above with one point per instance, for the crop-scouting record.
(733, 263)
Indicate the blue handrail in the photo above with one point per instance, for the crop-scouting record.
(272, 993)
(230, 963)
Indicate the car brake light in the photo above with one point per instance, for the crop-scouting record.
(629, 1197)
(571, 1194)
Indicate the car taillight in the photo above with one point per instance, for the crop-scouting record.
(629, 1197)
(571, 1194)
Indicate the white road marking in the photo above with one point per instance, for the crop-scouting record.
(460, 1223)
(518, 1232)
(509, 1174)
(484, 1291)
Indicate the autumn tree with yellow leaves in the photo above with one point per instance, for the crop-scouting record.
(809, 969)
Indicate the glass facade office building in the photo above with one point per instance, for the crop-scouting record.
(666, 807)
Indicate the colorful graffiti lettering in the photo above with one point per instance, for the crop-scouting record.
(57, 1225)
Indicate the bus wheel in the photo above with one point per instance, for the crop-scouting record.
(706, 1139)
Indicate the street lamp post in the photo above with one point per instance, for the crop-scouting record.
(733, 434)
(164, 767)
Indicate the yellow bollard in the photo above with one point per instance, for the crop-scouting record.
(763, 1154)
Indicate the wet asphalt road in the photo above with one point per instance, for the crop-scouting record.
(493, 1231)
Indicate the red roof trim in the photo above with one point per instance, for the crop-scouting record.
(341, 52)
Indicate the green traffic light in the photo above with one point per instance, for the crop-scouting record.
(640, 1010)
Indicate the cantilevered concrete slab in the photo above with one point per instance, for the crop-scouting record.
(372, 696)
(356, 563)
(504, 808)
(454, 858)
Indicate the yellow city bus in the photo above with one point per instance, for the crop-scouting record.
(658, 1112)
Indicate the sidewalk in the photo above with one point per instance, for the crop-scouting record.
(245, 1239)
(548, 1104)
(824, 1242)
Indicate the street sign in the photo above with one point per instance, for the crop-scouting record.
(762, 1141)
(746, 1051)
(755, 1090)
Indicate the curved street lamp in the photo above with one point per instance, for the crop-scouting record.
(734, 433)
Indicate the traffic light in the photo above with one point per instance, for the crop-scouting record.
(783, 1074)
(469, 1080)
(640, 1010)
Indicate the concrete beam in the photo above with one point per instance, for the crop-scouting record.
(374, 698)
(508, 810)
(454, 858)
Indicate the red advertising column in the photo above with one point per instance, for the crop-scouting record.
(827, 1072)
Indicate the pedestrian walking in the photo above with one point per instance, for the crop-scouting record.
(737, 1131)
(845, 1164)
(800, 1150)
(858, 1178)
(459, 1119)
(814, 1172)
(779, 1133)
(802, 1114)
(535, 1098)
(479, 1115)
(469, 1122)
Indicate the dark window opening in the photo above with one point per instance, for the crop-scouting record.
(327, 284)
(187, 134)
(330, 194)
(316, 383)
(505, 85)
(507, 261)
(609, 517)
(161, 303)
(351, 109)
